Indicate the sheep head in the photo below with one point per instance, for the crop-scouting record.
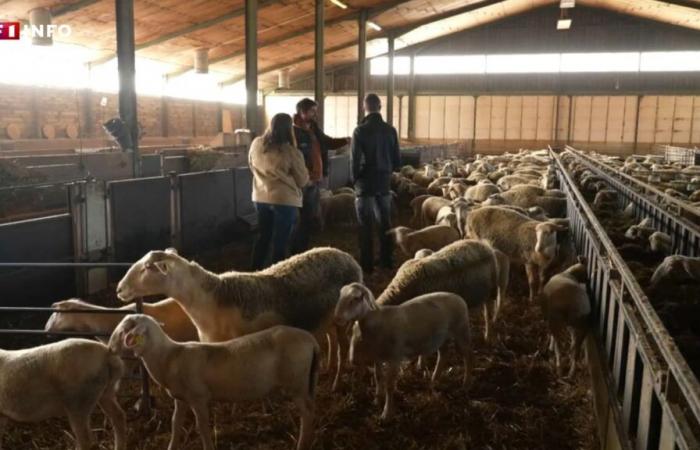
(354, 302)
(63, 322)
(151, 275)
(133, 334)
(546, 235)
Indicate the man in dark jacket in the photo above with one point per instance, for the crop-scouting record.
(314, 145)
(375, 155)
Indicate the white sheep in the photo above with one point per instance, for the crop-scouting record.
(337, 209)
(168, 312)
(422, 253)
(300, 291)
(446, 216)
(676, 270)
(565, 304)
(433, 237)
(481, 191)
(430, 208)
(66, 378)
(384, 336)
(248, 368)
(522, 239)
(471, 269)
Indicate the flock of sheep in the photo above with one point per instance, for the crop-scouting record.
(239, 336)
(670, 280)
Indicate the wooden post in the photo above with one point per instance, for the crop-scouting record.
(361, 64)
(126, 64)
(319, 74)
(251, 65)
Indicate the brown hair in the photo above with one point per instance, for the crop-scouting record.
(280, 132)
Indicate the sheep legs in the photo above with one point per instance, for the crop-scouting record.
(201, 413)
(577, 337)
(343, 344)
(533, 280)
(116, 415)
(306, 429)
(80, 425)
(392, 371)
(177, 422)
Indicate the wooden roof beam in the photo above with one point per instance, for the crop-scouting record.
(397, 31)
(291, 35)
(235, 13)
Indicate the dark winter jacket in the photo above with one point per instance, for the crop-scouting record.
(375, 155)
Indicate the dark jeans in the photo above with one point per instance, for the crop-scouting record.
(275, 224)
(371, 209)
(308, 218)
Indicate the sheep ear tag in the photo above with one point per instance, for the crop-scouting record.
(132, 340)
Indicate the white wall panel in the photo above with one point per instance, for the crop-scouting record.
(403, 131)
(422, 117)
(437, 117)
(581, 119)
(513, 122)
(498, 118)
(466, 117)
(563, 118)
(681, 120)
(647, 119)
(664, 118)
(695, 129)
(452, 113)
(545, 118)
(529, 118)
(629, 123)
(483, 117)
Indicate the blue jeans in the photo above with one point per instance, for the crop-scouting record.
(308, 218)
(370, 210)
(275, 224)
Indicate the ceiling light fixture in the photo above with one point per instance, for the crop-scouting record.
(374, 26)
(567, 4)
(339, 4)
(563, 24)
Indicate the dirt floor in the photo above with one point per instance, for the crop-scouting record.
(515, 400)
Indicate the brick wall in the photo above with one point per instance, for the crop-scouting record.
(32, 107)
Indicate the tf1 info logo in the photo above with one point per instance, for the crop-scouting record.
(11, 30)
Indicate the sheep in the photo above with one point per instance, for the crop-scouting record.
(554, 206)
(407, 171)
(629, 211)
(416, 205)
(676, 270)
(433, 237)
(446, 216)
(69, 378)
(338, 209)
(605, 199)
(565, 304)
(345, 190)
(641, 231)
(481, 192)
(660, 242)
(469, 268)
(523, 240)
(430, 208)
(422, 253)
(509, 181)
(300, 291)
(176, 324)
(388, 335)
(251, 367)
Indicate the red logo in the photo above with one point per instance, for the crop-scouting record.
(9, 30)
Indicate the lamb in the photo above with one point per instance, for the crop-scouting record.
(300, 291)
(251, 367)
(481, 192)
(565, 304)
(509, 181)
(422, 253)
(388, 335)
(345, 190)
(469, 268)
(176, 324)
(338, 209)
(676, 270)
(70, 378)
(554, 206)
(416, 205)
(433, 238)
(446, 216)
(523, 240)
(430, 208)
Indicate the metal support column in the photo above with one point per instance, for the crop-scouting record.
(319, 73)
(412, 100)
(126, 64)
(390, 82)
(361, 64)
(251, 65)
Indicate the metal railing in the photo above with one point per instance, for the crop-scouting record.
(143, 373)
(654, 395)
(670, 215)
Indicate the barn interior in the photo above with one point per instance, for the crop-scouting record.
(126, 126)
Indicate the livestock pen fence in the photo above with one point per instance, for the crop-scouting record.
(675, 217)
(645, 394)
